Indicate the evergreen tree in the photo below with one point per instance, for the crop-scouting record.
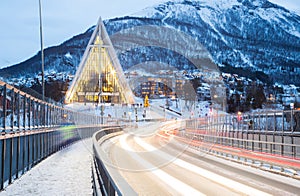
(255, 96)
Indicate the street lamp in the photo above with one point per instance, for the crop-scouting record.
(292, 106)
(102, 113)
(136, 115)
(42, 51)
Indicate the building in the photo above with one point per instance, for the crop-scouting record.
(99, 77)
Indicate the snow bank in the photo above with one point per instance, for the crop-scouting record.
(67, 172)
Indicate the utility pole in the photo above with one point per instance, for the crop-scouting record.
(42, 51)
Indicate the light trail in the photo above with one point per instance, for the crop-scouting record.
(180, 187)
(226, 182)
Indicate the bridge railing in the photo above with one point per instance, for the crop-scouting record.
(22, 112)
(281, 128)
(268, 121)
(274, 133)
(106, 180)
(32, 129)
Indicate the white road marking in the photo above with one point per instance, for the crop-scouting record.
(177, 185)
(202, 172)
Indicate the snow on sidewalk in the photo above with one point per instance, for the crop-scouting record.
(67, 172)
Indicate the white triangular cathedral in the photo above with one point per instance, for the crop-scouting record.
(100, 77)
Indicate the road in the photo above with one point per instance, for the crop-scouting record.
(155, 164)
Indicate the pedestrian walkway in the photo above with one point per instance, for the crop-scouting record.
(67, 172)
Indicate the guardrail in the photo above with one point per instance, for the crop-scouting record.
(22, 151)
(272, 121)
(32, 129)
(106, 180)
(276, 145)
(230, 130)
(22, 112)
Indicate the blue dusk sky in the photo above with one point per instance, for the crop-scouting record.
(62, 19)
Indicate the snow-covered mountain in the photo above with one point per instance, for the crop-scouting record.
(258, 38)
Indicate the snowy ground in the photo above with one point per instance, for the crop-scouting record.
(67, 172)
(187, 109)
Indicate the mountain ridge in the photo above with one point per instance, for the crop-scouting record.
(250, 35)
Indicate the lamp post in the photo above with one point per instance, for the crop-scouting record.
(42, 50)
(135, 109)
(292, 123)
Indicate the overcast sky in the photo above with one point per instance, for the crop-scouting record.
(62, 19)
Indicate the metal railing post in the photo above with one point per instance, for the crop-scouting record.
(47, 115)
(38, 115)
(29, 113)
(12, 107)
(51, 116)
(19, 111)
(259, 121)
(33, 150)
(10, 160)
(55, 116)
(293, 147)
(3, 163)
(33, 114)
(24, 112)
(292, 122)
(23, 154)
(44, 115)
(47, 118)
(18, 156)
(4, 106)
(275, 122)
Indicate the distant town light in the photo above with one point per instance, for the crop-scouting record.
(292, 105)
(239, 117)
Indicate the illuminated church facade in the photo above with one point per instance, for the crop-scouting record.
(99, 77)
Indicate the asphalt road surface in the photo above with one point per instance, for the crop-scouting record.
(155, 164)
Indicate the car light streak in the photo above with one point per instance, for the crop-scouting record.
(177, 185)
(226, 182)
